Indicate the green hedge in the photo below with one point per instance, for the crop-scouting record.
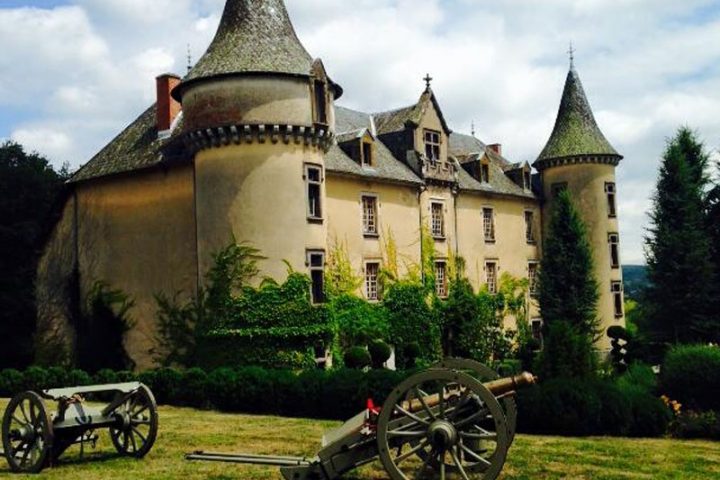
(690, 374)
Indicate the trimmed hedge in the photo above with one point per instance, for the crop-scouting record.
(690, 374)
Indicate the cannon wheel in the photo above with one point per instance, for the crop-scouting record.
(137, 424)
(484, 373)
(464, 436)
(27, 434)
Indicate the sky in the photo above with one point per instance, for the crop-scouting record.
(74, 73)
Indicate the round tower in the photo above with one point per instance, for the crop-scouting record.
(579, 158)
(258, 117)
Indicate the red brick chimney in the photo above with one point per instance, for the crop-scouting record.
(496, 147)
(167, 107)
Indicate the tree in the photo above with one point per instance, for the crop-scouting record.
(29, 188)
(713, 224)
(679, 297)
(568, 295)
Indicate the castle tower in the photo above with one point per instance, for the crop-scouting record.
(579, 158)
(258, 114)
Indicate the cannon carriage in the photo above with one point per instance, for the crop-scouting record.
(455, 420)
(34, 438)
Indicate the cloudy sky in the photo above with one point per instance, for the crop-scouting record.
(73, 73)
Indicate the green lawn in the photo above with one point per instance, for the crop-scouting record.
(537, 458)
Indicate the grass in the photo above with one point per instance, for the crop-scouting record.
(531, 457)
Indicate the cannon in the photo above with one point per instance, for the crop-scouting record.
(34, 438)
(454, 420)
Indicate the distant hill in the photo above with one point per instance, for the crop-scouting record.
(635, 278)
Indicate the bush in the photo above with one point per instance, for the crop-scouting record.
(650, 416)
(358, 321)
(380, 353)
(78, 378)
(357, 357)
(105, 376)
(35, 379)
(691, 375)
(193, 388)
(221, 386)
(11, 382)
(691, 425)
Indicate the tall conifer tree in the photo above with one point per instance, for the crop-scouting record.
(679, 297)
(568, 295)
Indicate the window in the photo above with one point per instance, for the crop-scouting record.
(614, 240)
(432, 145)
(529, 226)
(320, 102)
(370, 215)
(313, 181)
(441, 279)
(526, 180)
(536, 325)
(617, 292)
(556, 188)
(367, 154)
(372, 292)
(485, 172)
(610, 192)
(533, 278)
(491, 276)
(316, 264)
(437, 211)
(489, 224)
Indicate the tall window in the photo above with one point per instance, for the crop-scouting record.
(614, 240)
(536, 325)
(313, 182)
(485, 172)
(529, 226)
(437, 211)
(370, 215)
(367, 154)
(526, 180)
(316, 264)
(320, 102)
(441, 282)
(432, 145)
(372, 291)
(617, 293)
(489, 224)
(533, 278)
(491, 276)
(610, 192)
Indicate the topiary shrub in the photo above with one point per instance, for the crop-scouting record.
(344, 394)
(11, 382)
(78, 378)
(691, 375)
(357, 357)
(411, 353)
(105, 376)
(380, 353)
(193, 388)
(221, 385)
(57, 377)
(35, 379)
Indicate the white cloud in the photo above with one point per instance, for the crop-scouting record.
(46, 140)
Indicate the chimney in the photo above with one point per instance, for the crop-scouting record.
(167, 107)
(496, 147)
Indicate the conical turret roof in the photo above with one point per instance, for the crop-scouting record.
(576, 132)
(254, 36)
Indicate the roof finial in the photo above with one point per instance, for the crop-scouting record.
(571, 52)
(428, 79)
(189, 58)
(472, 128)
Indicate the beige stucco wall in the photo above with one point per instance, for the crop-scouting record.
(431, 121)
(586, 183)
(137, 234)
(256, 193)
(398, 215)
(437, 194)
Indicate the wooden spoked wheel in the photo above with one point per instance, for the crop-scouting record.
(485, 374)
(137, 426)
(27, 434)
(442, 424)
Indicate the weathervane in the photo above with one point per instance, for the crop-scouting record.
(472, 128)
(571, 52)
(428, 79)
(189, 58)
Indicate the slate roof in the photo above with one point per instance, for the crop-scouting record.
(135, 148)
(500, 183)
(576, 132)
(387, 167)
(254, 36)
(396, 120)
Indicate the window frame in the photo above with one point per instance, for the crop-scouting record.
(611, 195)
(313, 269)
(441, 233)
(307, 168)
(491, 236)
(367, 154)
(374, 233)
(614, 244)
(530, 227)
(533, 266)
(366, 281)
(484, 171)
(495, 269)
(321, 103)
(617, 289)
(441, 281)
(431, 144)
(537, 334)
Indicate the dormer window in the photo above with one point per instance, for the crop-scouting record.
(366, 154)
(485, 172)
(320, 101)
(432, 145)
(526, 180)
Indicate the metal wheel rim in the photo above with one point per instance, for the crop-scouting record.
(26, 412)
(437, 461)
(136, 438)
(508, 403)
